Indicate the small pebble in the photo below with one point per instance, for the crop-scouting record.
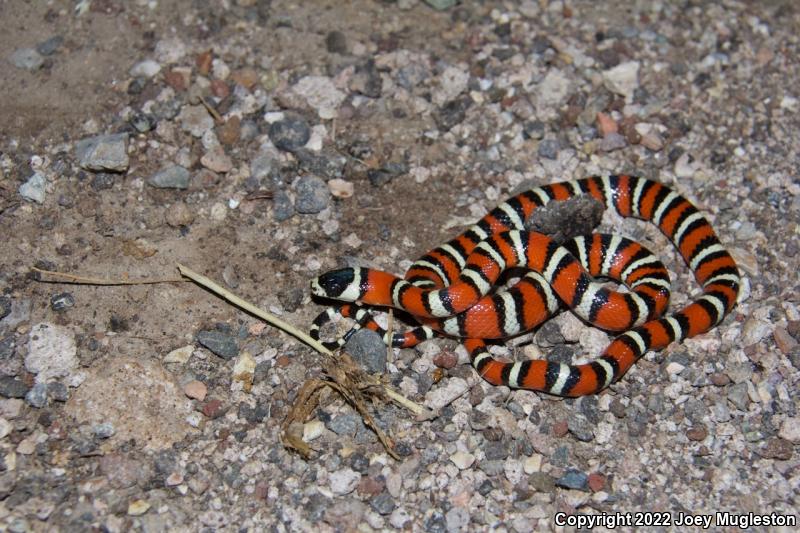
(12, 388)
(367, 348)
(195, 120)
(217, 160)
(534, 129)
(312, 430)
(50, 46)
(62, 301)
(142, 122)
(213, 408)
(560, 428)
(790, 430)
(623, 79)
(289, 134)
(196, 390)
(145, 69)
(441, 5)
(697, 433)
(574, 479)
(173, 177)
(138, 508)
(452, 113)
(244, 369)
(5, 428)
(179, 214)
(346, 424)
(462, 460)
(344, 481)
(179, 355)
(103, 152)
(341, 188)
(282, 207)
(596, 482)
(336, 42)
(57, 391)
(104, 430)
(445, 359)
(313, 195)
(548, 149)
(457, 519)
(34, 189)
(777, 448)
(221, 344)
(606, 124)
(37, 395)
(27, 58)
(383, 503)
(611, 142)
(5, 306)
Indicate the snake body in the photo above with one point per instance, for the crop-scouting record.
(448, 289)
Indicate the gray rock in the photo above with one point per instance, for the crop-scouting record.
(174, 177)
(328, 164)
(33, 190)
(452, 113)
(27, 58)
(142, 122)
(313, 195)
(291, 299)
(195, 120)
(549, 148)
(435, 523)
(290, 133)
(37, 396)
(103, 152)
(12, 388)
(282, 208)
(103, 430)
(611, 142)
(346, 424)
(145, 69)
(20, 312)
(367, 80)
(574, 479)
(533, 129)
(7, 348)
(218, 342)
(102, 181)
(5, 306)
(581, 428)
(336, 42)
(386, 173)
(359, 462)
(441, 5)
(52, 352)
(564, 220)
(383, 503)
(62, 301)
(738, 396)
(50, 46)
(496, 450)
(491, 468)
(261, 166)
(368, 349)
(58, 391)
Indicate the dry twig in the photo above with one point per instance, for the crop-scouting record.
(342, 374)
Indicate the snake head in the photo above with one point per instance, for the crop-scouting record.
(334, 284)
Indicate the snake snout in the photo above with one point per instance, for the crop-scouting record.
(332, 284)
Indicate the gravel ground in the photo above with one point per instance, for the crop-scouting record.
(263, 143)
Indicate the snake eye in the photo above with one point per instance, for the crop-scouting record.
(333, 283)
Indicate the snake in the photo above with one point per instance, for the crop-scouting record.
(453, 289)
